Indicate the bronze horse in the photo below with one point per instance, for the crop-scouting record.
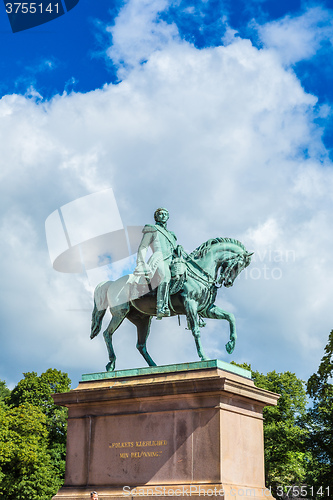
(215, 263)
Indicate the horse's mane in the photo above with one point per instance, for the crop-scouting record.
(205, 247)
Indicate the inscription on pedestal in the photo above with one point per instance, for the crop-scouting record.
(138, 452)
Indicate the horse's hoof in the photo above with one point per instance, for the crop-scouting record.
(230, 346)
(110, 366)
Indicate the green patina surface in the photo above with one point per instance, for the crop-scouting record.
(182, 367)
(170, 283)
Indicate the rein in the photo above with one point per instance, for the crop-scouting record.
(210, 280)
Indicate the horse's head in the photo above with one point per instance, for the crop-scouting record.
(226, 256)
(232, 267)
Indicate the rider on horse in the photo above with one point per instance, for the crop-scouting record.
(157, 271)
(196, 279)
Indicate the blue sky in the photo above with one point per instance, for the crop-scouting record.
(69, 53)
(50, 56)
(219, 110)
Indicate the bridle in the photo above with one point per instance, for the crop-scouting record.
(209, 279)
(233, 263)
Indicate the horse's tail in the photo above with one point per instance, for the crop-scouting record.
(100, 307)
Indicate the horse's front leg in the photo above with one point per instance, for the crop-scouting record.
(191, 308)
(215, 312)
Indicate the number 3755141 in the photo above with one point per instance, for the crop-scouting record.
(31, 8)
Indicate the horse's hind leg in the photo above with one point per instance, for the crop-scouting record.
(142, 324)
(215, 312)
(143, 327)
(118, 317)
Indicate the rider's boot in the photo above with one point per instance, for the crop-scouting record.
(162, 309)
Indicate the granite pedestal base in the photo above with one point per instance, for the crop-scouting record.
(189, 430)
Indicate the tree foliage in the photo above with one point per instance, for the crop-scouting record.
(4, 392)
(33, 437)
(320, 420)
(285, 434)
(299, 438)
(36, 390)
(286, 456)
(26, 467)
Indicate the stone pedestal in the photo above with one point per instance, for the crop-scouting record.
(182, 430)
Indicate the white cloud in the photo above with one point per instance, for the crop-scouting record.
(298, 38)
(138, 32)
(217, 136)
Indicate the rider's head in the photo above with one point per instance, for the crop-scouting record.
(161, 215)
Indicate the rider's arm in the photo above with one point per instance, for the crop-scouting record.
(143, 248)
(147, 240)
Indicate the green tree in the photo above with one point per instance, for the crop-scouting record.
(285, 433)
(32, 398)
(4, 391)
(26, 467)
(320, 421)
(286, 456)
(36, 390)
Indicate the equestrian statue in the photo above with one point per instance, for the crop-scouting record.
(171, 283)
